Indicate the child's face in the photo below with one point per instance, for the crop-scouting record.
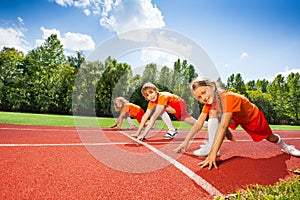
(151, 95)
(118, 104)
(204, 94)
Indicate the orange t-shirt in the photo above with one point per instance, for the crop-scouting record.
(243, 110)
(164, 98)
(131, 108)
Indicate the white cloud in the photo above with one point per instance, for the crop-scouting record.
(48, 32)
(244, 55)
(123, 16)
(14, 37)
(287, 72)
(78, 42)
(120, 15)
(64, 2)
(227, 65)
(21, 21)
(87, 12)
(70, 41)
(158, 56)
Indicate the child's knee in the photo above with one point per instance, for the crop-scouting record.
(274, 138)
(170, 110)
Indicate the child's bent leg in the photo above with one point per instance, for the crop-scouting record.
(167, 120)
(190, 120)
(205, 124)
(171, 129)
(289, 149)
(213, 123)
(131, 124)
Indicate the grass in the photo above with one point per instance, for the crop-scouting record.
(288, 190)
(281, 190)
(72, 121)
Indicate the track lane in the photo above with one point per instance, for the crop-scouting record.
(60, 159)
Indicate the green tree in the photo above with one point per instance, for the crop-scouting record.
(164, 76)
(235, 83)
(293, 98)
(43, 67)
(264, 102)
(278, 91)
(113, 74)
(150, 73)
(12, 93)
(250, 85)
(262, 85)
(85, 88)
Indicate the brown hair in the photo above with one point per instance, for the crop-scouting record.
(120, 99)
(199, 82)
(148, 86)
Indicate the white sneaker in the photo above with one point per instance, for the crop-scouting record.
(204, 144)
(204, 151)
(170, 134)
(132, 127)
(290, 149)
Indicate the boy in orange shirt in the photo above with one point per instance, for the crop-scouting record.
(162, 101)
(234, 110)
(128, 110)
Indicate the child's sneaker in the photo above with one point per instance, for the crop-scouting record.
(290, 149)
(204, 151)
(170, 134)
(133, 127)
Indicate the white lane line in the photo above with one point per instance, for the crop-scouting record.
(112, 143)
(45, 129)
(55, 145)
(198, 179)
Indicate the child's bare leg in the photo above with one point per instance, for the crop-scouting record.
(131, 124)
(190, 120)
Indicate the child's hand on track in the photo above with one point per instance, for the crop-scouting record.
(180, 149)
(209, 162)
(141, 137)
(114, 126)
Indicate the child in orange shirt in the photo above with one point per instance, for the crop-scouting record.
(162, 101)
(234, 110)
(128, 110)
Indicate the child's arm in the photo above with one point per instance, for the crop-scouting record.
(119, 121)
(158, 111)
(196, 127)
(113, 126)
(143, 122)
(210, 160)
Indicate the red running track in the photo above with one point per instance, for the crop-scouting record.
(40, 162)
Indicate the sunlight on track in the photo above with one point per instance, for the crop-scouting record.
(198, 179)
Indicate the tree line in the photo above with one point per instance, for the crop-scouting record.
(46, 81)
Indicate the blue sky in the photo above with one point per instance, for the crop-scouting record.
(257, 38)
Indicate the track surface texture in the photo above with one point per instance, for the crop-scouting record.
(39, 162)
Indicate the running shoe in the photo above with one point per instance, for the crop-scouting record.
(170, 134)
(290, 149)
(204, 151)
